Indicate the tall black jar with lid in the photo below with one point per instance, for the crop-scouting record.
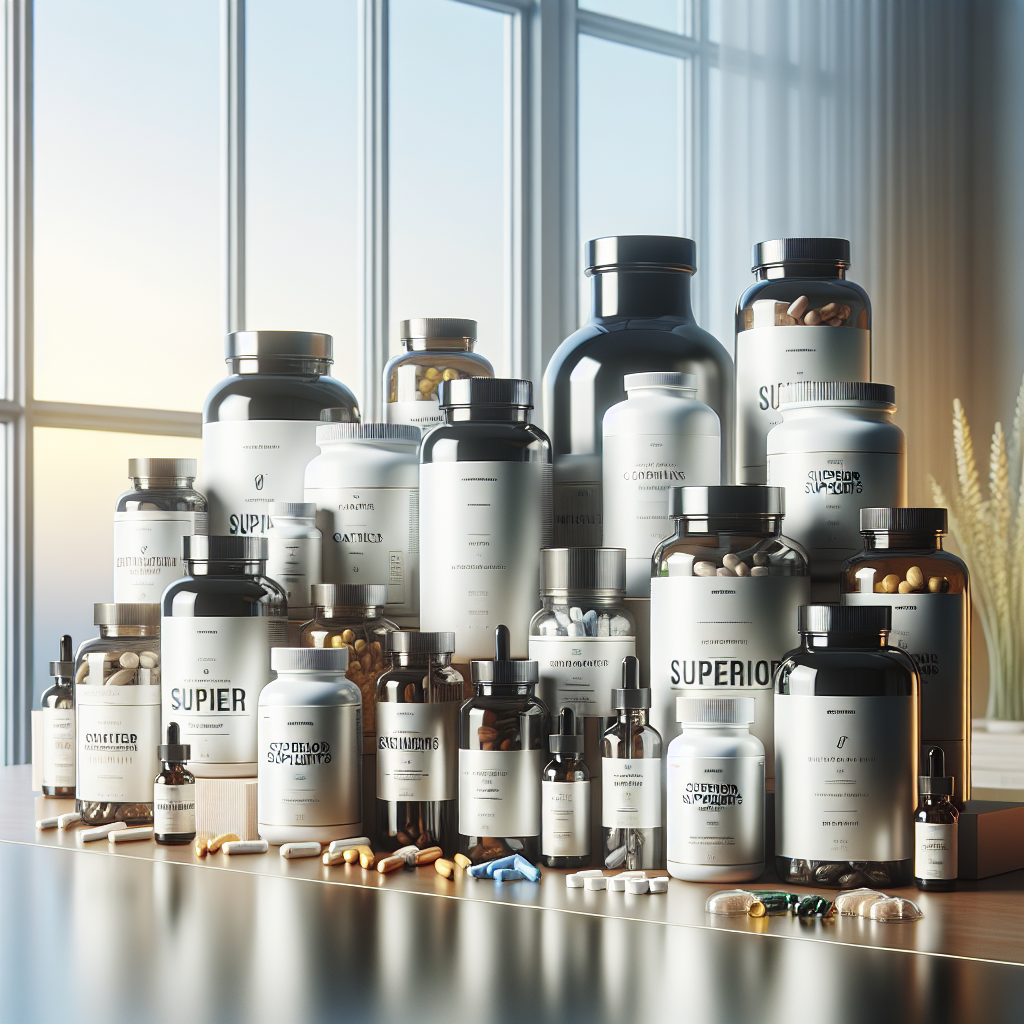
(641, 319)
(259, 424)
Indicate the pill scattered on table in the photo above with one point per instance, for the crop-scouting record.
(214, 844)
(65, 821)
(295, 851)
(131, 835)
(45, 823)
(238, 846)
(90, 835)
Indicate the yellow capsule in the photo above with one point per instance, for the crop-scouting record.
(445, 868)
(213, 845)
(462, 861)
(201, 850)
(433, 373)
(366, 858)
(350, 856)
(389, 864)
(426, 385)
(450, 375)
(428, 856)
(336, 641)
(360, 645)
(348, 636)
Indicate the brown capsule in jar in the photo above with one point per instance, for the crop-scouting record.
(915, 577)
(844, 312)
(812, 318)
(835, 322)
(938, 585)
(906, 588)
(890, 584)
(829, 310)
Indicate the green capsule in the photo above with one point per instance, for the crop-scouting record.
(770, 903)
(813, 906)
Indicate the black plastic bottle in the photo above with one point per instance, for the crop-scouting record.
(935, 828)
(641, 319)
(259, 424)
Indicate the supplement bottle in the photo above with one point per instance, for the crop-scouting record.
(149, 522)
(58, 704)
(436, 348)
(485, 513)
(724, 603)
(659, 438)
(715, 820)
(904, 566)
(641, 320)
(583, 630)
(631, 771)
(846, 714)
(218, 624)
(565, 798)
(174, 793)
(503, 739)
(310, 744)
(935, 828)
(117, 709)
(836, 451)
(365, 484)
(352, 615)
(801, 320)
(259, 424)
(294, 554)
(418, 701)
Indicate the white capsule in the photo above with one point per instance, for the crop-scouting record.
(730, 561)
(760, 570)
(245, 846)
(293, 851)
(595, 884)
(760, 558)
(44, 823)
(742, 569)
(562, 619)
(131, 835)
(343, 844)
(67, 820)
(90, 835)
(704, 569)
(637, 886)
(576, 614)
(129, 660)
(576, 629)
(725, 572)
(407, 853)
(658, 884)
(617, 883)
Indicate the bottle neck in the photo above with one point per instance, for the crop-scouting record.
(633, 717)
(218, 568)
(936, 800)
(504, 689)
(581, 598)
(662, 392)
(282, 365)
(889, 541)
(179, 483)
(747, 526)
(776, 271)
(487, 413)
(439, 344)
(647, 293)
(403, 659)
(846, 641)
(129, 631)
(348, 612)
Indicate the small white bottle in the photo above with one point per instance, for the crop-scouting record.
(715, 813)
(660, 437)
(294, 554)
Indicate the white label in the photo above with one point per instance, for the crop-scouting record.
(935, 850)
(248, 464)
(58, 747)
(147, 552)
(631, 792)
(580, 672)
(715, 810)
(482, 526)
(825, 492)
(371, 535)
(417, 748)
(639, 471)
(499, 792)
(845, 777)
(932, 629)
(718, 634)
(565, 819)
(174, 809)
(294, 562)
(425, 414)
(214, 668)
(767, 358)
(310, 765)
(118, 732)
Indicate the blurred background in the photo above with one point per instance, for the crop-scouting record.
(179, 168)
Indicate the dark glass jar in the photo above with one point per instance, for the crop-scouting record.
(641, 319)
(485, 514)
(846, 727)
(259, 424)
(218, 624)
(904, 566)
(801, 320)
(58, 705)
(503, 740)
(418, 701)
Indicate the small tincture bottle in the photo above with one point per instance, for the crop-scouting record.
(174, 793)
(935, 828)
(58, 706)
(565, 798)
(631, 779)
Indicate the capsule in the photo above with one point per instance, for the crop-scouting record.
(131, 835)
(462, 861)
(445, 868)
(65, 821)
(214, 844)
(294, 851)
(237, 846)
(343, 844)
(388, 864)
(508, 875)
(90, 835)
(428, 856)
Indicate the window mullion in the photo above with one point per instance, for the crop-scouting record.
(233, 160)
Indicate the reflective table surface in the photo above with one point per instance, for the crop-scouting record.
(137, 932)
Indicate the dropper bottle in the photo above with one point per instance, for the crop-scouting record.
(935, 828)
(565, 798)
(174, 792)
(631, 779)
(58, 704)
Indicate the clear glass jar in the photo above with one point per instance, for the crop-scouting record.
(904, 566)
(800, 286)
(436, 348)
(58, 706)
(149, 522)
(503, 742)
(632, 807)
(117, 706)
(724, 602)
(641, 320)
(846, 752)
(259, 424)
(352, 615)
(418, 701)
(583, 630)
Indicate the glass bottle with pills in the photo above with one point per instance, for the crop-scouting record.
(58, 704)
(417, 722)
(436, 348)
(174, 793)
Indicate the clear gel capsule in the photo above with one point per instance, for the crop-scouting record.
(895, 908)
(730, 902)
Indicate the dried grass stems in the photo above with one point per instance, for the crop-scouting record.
(990, 534)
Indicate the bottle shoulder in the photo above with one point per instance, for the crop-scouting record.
(162, 499)
(364, 465)
(716, 743)
(229, 596)
(847, 672)
(933, 563)
(819, 291)
(695, 555)
(298, 693)
(273, 396)
(485, 441)
(657, 414)
(833, 428)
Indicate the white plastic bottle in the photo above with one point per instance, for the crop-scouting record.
(660, 437)
(716, 791)
(294, 554)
